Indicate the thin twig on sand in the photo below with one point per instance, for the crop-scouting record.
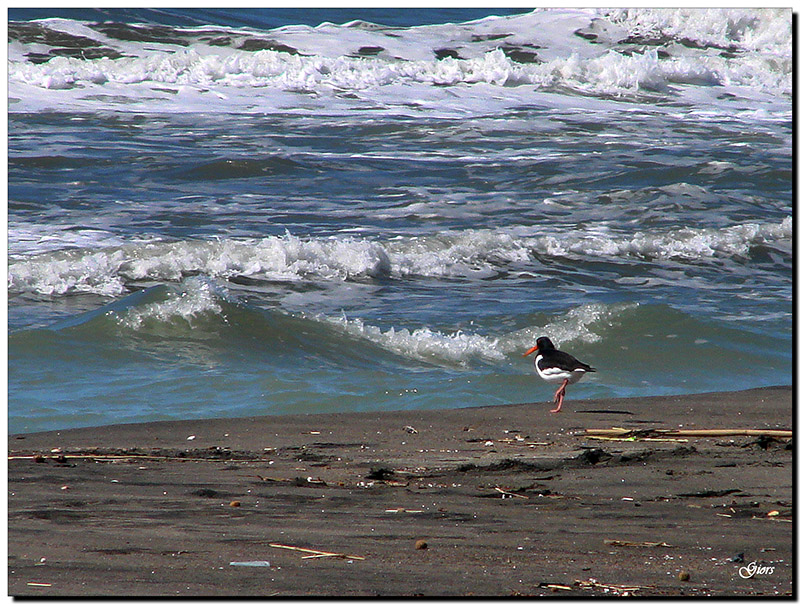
(648, 433)
(636, 543)
(315, 553)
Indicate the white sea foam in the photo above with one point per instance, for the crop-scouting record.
(405, 73)
(196, 296)
(456, 348)
(580, 324)
(58, 273)
(277, 258)
(768, 30)
(677, 244)
(467, 254)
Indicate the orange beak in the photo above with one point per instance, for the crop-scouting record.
(530, 351)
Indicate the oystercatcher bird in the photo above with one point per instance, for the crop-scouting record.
(556, 366)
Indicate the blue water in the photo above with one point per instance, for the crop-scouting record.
(201, 230)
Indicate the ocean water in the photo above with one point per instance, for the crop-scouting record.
(236, 212)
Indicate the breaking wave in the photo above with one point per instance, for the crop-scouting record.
(583, 324)
(473, 254)
(618, 53)
(199, 310)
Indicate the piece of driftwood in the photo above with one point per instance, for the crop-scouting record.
(619, 590)
(510, 494)
(522, 443)
(634, 439)
(315, 553)
(617, 542)
(555, 586)
(649, 433)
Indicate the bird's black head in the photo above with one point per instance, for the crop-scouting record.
(541, 344)
(544, 343)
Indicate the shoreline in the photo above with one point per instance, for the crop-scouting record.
(534, 406)
(485, 501)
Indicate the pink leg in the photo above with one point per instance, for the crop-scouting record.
(559, 396)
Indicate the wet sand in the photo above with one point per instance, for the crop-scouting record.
(490, 501)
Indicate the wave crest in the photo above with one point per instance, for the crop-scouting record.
(620, 53)
(584, 324)
(196, 297)
(469, 254)
(687, 243)
(612, 73)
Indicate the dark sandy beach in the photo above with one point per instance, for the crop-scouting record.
(491, 501)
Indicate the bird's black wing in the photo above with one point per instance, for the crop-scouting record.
(562, 360)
